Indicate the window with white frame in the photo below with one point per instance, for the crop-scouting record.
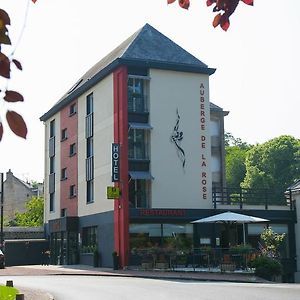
(139, 193)
(72, 149)
(63, 174)
(64, 135)
(90, 191)
(138, 144)
(137, 100)
(72, 191)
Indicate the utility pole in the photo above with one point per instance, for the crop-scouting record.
(1, 203)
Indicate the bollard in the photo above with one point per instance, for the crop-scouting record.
(20, 297)
(10, 283)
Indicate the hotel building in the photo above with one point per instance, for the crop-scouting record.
(138, 127)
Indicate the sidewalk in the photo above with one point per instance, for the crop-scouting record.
(35, 270)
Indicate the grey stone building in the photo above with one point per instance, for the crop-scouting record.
(16, 194)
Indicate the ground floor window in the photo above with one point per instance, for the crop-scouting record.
(170, 236)
(64, 248)
(89, 239)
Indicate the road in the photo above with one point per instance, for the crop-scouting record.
(75, 287)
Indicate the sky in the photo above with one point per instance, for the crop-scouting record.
(257, 62)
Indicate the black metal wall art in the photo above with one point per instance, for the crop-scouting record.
(176, 138)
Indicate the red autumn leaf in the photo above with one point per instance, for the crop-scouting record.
(4, 66)
(171, 1)
(12, 96)
(16, 123)
(184, 3)
(210, 2)
(216, 20)
(34, 1)
(17, 64)
(1, 131)
(249, 2)
(225, 24)
(4, 17)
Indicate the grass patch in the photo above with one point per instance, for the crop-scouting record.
(8, 293)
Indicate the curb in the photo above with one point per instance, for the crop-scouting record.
(182, 278)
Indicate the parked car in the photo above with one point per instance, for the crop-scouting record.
(2, 260)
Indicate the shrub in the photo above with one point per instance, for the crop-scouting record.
(266, 267)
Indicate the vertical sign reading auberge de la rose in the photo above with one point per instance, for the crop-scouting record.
(203, 142)
(115, 162)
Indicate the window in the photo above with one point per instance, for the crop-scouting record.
(89, 147)
(64, 135)
(52, 128)
(138, 144)
(139, 193)
(72, 110)
(89, 236)
(164, 235)
(89, 104)
(63, 212)
(136, 96)
(63, 174)
(51, 202)
(72, 149)
(52, 164)
(90, 191)
(72, 191)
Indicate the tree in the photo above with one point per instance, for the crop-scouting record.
(34, 214)
(235, 165)
(225, 8)
(272, 242)
(267, 265)
(236, 151)
(230, 140)
(274, 164)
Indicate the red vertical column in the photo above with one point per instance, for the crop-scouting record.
(121, 212)
(70, 123)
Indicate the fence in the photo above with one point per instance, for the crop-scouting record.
(241, 197)
(222, 259)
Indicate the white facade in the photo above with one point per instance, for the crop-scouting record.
(175, 186)
(103, 138)
(50, 215)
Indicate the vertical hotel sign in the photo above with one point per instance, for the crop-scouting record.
(115, 162)
(204, 142)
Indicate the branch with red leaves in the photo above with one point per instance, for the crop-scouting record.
(225, 8)
(14, 120)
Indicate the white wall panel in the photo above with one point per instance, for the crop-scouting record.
(175, 186)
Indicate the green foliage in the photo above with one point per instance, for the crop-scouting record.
(89, 249)
(272, 242)
(274, 164)
(230, 140)
(241, 249)
(236, 151)
(266, 267)
(8, 293)
(235, 165)
(34, 214)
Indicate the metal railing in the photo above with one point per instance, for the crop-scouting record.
(241, 197)
(206, 258)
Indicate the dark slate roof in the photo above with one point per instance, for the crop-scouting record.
(215, 108)
(295, 187)
(146, 48)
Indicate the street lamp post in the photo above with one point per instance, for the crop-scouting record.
(1, 203)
